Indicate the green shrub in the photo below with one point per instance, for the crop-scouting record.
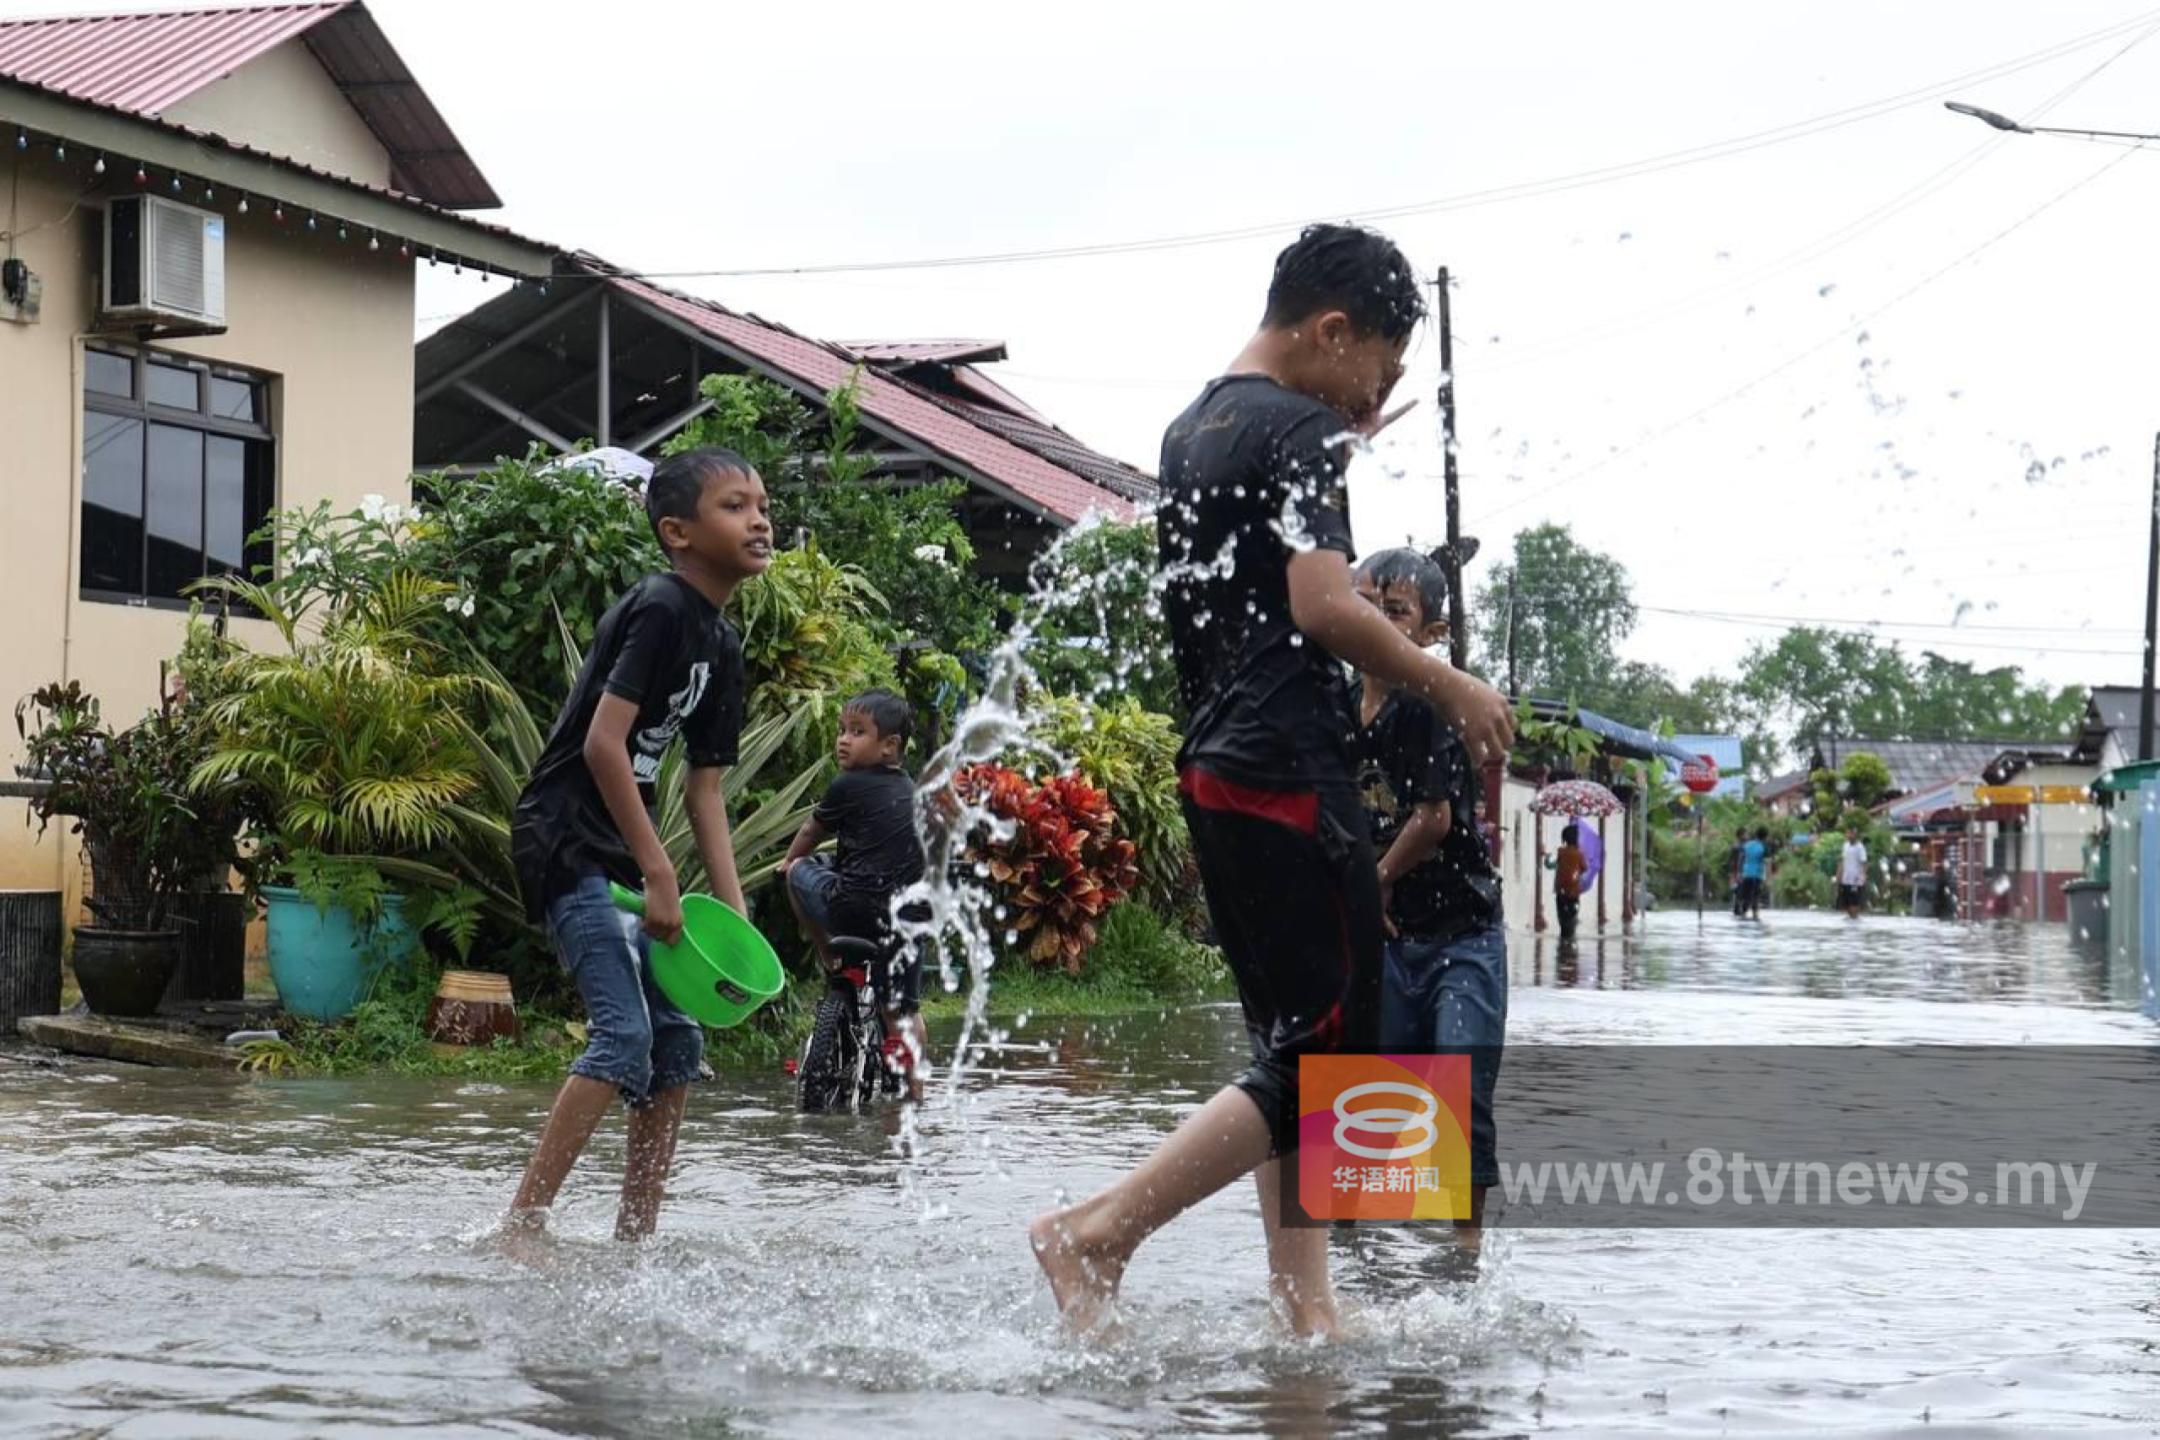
(1137, 949)
(1101, 630)
(526, 541)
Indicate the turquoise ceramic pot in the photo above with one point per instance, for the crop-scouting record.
(322, 963)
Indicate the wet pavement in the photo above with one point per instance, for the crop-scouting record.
(194, 1254)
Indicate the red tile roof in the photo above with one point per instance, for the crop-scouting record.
(972, 449)
(144, 64)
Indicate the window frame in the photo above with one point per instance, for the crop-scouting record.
(199, 420)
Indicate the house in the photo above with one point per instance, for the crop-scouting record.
(1787, 793)
(208, 314)
(1917, 765)
(2109, 736)
(2023, 819)
(600, 354)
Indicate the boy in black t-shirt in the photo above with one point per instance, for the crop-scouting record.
(663, 661)
(870, 807)
(1444, 985)
(1254, 537)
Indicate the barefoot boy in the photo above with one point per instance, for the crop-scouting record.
(870, 807)
(1444, 986)
(1255, 545)
(663, 661)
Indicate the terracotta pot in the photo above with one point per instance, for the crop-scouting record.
(472, 1007)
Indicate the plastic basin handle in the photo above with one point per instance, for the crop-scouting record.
(625, 898)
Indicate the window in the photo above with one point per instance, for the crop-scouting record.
(178, 473)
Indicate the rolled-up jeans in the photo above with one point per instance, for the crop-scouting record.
(1450, 996)
(636, 1039)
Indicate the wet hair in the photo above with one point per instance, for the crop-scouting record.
(885, 710)
(1569, 835)
(679, 482)
(1404, 566)
(1346, 268)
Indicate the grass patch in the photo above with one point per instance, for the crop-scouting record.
(1139, 962)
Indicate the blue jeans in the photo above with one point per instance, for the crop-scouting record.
(1451, 996)
(636, 1039)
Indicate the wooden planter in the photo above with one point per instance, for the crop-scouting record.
(472, 1007)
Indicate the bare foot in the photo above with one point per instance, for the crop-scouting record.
(1083, 1278)
(524, 1238)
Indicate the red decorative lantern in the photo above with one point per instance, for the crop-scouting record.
(1700, 775)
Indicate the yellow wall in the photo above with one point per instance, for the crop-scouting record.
(284, 102)
(331, 322)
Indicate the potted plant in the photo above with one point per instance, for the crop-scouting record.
(145, 834)
(350, 747)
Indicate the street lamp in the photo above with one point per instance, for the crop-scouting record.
(2152, 553)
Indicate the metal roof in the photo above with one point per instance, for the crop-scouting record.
(965, 442)
(144, 64)
(925, 352)
(1917, 765)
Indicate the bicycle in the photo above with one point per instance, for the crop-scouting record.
(851, 1055)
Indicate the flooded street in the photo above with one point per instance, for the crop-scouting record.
(203, 1255)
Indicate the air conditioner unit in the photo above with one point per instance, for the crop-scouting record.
(164, 265)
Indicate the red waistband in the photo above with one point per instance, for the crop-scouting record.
(1298, 809)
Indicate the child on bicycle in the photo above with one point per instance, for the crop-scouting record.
(870, 809)
(663, 661)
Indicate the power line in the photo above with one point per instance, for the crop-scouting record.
(1789, 362)
(1520, 190)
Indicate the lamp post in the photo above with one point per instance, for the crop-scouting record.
(2152, 549)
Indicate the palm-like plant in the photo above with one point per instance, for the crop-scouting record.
(351, 734)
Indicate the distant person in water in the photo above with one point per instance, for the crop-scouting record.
(1254, 536)
(1569, 866)
(1852, 875)
(1753, 855)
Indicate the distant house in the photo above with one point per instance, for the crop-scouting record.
(206, 314)
(1785, 794)
(2023, 817)
(2109, 735)
(1916, 765)
(599, 354)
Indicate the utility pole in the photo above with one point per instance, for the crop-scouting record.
(1458, 625)
(1513, 689)
(2152, 613)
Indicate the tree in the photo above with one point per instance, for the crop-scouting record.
(1101, 631)
(1570, 606)
(1814, 683)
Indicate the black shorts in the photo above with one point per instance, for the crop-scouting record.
(1851, 897)
(1293, 890)
(897, 978)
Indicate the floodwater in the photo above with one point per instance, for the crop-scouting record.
(206, 1255)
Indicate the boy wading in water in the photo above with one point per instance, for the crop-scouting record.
(1444, 983)
(1255, 544)
(663, 661)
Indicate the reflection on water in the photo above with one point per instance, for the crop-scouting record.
(199, 1254)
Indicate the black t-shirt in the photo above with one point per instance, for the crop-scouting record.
(669, 649)
(872, 812)
(1408, 757)
(1251, 474)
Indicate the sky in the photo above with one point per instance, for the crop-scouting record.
(1874, 364)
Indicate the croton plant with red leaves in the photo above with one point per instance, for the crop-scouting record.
(1064, 865)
